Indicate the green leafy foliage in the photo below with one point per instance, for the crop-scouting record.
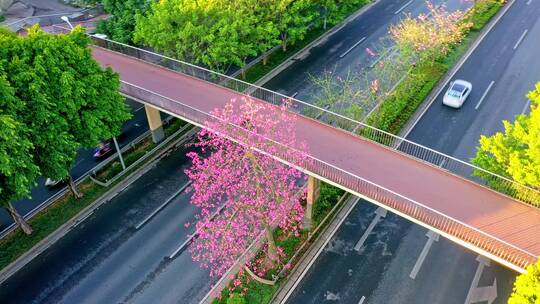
(55, 99)
(64, 97)
(516, 152)
(527, 287)
(17, 168)
(328, 198)
(121, 24)
(222, 33)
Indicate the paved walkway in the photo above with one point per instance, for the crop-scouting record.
(511, 230)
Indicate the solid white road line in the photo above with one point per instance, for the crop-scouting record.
(526, 106)
(362, 300)
(528, 2)
(289, 293)
(485, 94)
(482, 262)
(379, 213)
(432, 237)
(352, 47)
(403, 7)
(520, 39)
(158, 209)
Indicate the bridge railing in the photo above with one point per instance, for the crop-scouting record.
(446, 162)
(486, 242)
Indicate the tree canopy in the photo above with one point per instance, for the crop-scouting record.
(59, 95)
(256, 192)
(515, 153)
(527, 287)
(221, 33)
(121, 24)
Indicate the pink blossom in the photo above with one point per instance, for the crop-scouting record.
(256, 191)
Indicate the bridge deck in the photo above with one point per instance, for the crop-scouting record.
(495, 214)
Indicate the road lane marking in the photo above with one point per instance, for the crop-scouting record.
(352, 47)
(520, 39)
(362, 300)
(457, 67)
(432, 237)
(485, 294)
(526, 106)
(403, 7)
(528, 2)
(194, 235)
(379, 213)
(485, 94)
(158, 209)
(482, 262)
(289, 293)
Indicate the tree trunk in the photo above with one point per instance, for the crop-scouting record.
(284, 42)
(19, 220)
(73, 188)
(272, 255)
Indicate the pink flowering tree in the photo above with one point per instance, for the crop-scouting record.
(430, 35)
(242, 192)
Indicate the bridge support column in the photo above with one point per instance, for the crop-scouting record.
(313, 191)
(155, 123)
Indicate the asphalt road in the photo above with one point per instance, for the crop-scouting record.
(372, 26)
(380, 273)
(105, 259)
(84, 163)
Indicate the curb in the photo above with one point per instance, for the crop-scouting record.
(304, 51)
(311, 254)
(61, 231)
(422, 109)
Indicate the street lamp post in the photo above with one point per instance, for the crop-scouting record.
(66, 19)
(119, 153)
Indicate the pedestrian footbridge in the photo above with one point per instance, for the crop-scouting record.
(420, 184)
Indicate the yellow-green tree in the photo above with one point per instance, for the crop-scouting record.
(515, 153)
(527, 287)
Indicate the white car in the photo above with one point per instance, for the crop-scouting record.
(52, 183)
(457, 93)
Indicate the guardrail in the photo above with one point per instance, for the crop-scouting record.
(425, 154)
(432, 218)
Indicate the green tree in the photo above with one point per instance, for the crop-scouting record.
(121, 24)
(293, 19)
(17, 169)
(214, 33)
(64, 98)
(516, 152)
(527, 287)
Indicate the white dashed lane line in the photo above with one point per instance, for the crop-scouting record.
(520, 39)
(352, 47)
(484, 95)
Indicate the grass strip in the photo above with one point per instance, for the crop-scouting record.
(251, 291)
(397, 110)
